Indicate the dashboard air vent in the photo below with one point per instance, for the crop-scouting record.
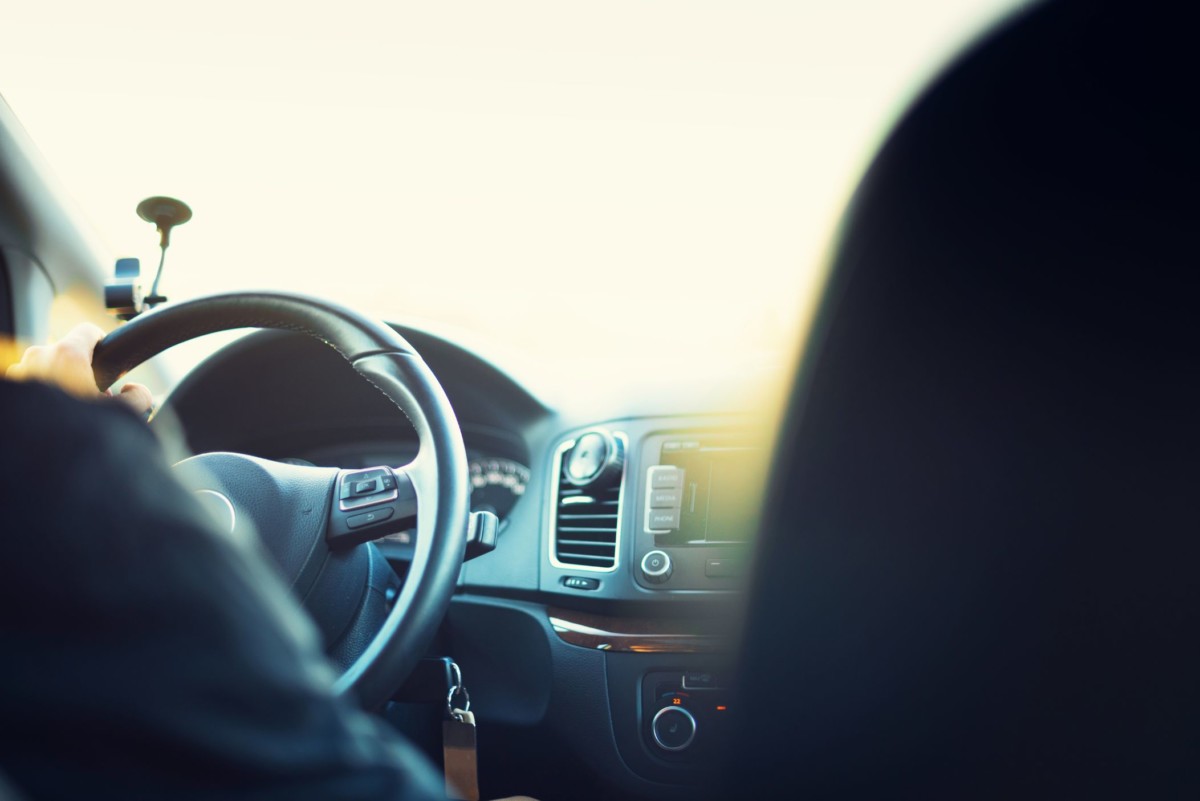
(586, 519)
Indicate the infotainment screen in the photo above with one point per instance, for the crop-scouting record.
(716, 493)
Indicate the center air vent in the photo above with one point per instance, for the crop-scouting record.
(586, 520)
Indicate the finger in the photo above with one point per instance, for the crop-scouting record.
(84, 337)
(73, 359)
(35, 361)
(138, 398)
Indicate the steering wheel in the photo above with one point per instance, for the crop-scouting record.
(315, 521)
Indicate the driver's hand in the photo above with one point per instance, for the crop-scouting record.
(68, 365)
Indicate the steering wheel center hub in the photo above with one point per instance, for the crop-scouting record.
(285, 506)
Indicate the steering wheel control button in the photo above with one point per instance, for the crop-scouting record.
(673, 728)
(361, 488)
(656, 567)
(369, 518)
(580, 583)
(359, 518)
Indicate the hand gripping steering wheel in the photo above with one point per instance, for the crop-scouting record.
(314, 520)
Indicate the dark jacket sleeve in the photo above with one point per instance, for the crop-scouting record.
(146, 655)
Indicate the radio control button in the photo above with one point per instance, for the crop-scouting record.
(662, 519)
(654, 562)
(664, 477)
(664, 499)
(719, 568)
(656, 567)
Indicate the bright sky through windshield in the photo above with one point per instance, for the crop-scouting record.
(638, 174)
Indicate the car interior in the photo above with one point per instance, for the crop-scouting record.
(953, 556)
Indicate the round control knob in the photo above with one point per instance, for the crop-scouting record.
(656, 567)
(596, 459)
(673, 728)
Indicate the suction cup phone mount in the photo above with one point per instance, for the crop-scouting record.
(124, 296)
(165, 213)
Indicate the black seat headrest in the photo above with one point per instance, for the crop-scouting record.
(977, 572)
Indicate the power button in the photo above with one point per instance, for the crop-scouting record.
(656, 567)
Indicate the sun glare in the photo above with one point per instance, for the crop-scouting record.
(655, 178)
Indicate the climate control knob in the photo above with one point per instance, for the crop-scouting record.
(673, 728)
(656, 567)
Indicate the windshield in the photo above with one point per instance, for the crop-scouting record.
(637, 179)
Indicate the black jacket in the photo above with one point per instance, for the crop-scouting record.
(143, 654)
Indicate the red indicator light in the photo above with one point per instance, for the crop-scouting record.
(722, 708)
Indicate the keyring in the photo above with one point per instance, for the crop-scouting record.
(454, 691)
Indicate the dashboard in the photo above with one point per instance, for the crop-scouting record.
(602, 628)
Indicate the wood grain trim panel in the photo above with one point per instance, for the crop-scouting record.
(635, 635)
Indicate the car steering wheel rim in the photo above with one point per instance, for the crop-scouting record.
(439, 473)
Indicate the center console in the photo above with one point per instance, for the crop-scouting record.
(692, 509)
(658, 513)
